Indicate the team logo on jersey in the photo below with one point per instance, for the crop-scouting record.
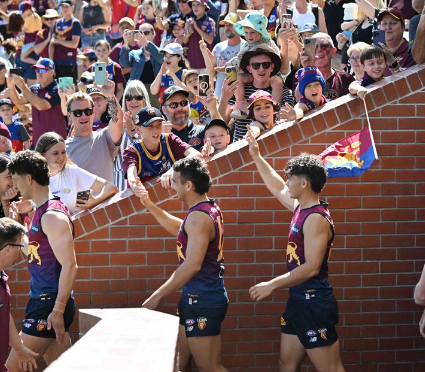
(202, 323)
(311, 333)
(42, 325)
(33, 252)
(313, 339)
(194, 141)
(151, 111)
(190, 322)
(34, 228)
(189, 329)
(291, 253)
(295, 229)
(282, 321)
(272, 18)
(322, 332)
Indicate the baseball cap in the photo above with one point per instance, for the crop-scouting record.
(260, 94)
(216, 123)
(147, 115)
(4, 131)
(25, 5)
(127, 20)
(309, 27)
(66, 2)
(88, 53)
(92, 90)
(6, 101)
(173, 48)
(231, 18)
(44, 63)
(394, 12)
(171, 91)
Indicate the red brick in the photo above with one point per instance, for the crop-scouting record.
(360, 293)
(128, 259)
(379, 202)
(361, 267)
(108, 272)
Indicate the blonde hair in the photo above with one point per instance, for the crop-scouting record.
(78, 96)
(357, 47)
(135, 87)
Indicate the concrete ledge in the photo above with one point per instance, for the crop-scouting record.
(122, 340)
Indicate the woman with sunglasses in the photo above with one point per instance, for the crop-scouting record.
(135, 98)
(67, 179)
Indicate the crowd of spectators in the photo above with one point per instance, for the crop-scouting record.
(184, 78)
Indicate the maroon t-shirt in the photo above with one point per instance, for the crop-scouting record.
(115, 53)
(177, 147)
(336, 86)
(39, 38)
(4, 320)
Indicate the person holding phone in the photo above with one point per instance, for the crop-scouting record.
(67, 179)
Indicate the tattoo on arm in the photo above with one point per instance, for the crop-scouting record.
(113, 109)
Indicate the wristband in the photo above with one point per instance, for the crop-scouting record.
(58, 311)
(60, 305)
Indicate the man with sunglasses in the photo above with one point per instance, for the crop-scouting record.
(90, 150)
(44, 98)
(51, 263)
(12, 236)
(337, 82)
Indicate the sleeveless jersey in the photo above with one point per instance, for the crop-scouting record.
(210, 277)
(318, 286)
(272, 21)
(43, 266)
(167, 81)
(63, 31)
(152, 165)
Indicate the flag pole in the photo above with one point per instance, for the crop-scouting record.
(370, 129)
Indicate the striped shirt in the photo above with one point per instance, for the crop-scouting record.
(240, 124)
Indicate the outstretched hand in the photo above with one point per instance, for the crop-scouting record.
(254, 149)
(289, 114)
(260, 291)
(108, 89)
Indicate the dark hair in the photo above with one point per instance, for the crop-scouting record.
(309, 166)
(196, 171)
(370, 52)
(32, 163)
(276, 108)
(16, 22)
(170, 9)
(183, 62)
(9, 230)
(4, 161)
(9, 46)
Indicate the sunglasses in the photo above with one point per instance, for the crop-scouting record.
(41, 71)
(2, 67)
(174, 105)
(137, 98)
(257, 65)
(323, 46)
(79, 113)
(85, 81)
(147, 32)
(354, 59)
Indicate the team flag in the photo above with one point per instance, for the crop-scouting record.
(351, 156)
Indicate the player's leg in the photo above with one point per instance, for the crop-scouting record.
(55, 350)
(292, 353)
(326, 358)
(184, 352)
(207, 353)
(37, 344)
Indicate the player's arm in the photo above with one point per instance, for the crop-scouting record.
(317, 233)
(57, 227)
(420, 290)
(166, 220)
(199, 228)
(271, 178)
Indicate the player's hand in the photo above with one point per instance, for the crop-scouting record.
(55, 321)
(361, 93)
(260, 291)
(152, 302)
(289, 114)
(23, 206)
(166, 179)
(422, 325)
(254, 150)
(26, 358)
(141, 192)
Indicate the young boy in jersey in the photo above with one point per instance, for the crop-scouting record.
(18, 133)
(374, 60)
(308, 325)
(114, 71)
(200, 236)
(12, 241)
(51, 262)
(155, 152)
(311, 87)
(254, 29)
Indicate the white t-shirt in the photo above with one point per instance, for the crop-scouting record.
(68, 182)
(300, 19)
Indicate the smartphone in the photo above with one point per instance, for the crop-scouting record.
(378, 36)
(310, 48)
(231, 75)
(134, 33)
(17, 71)
(66, 82)
(204, 84)
(100, 73)
(83, 195)
(286, 20)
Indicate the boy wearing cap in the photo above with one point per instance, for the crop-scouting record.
(155, 152)
(217, 132)
(65, 40)
(311, 86)
(18, 134)
(44, 98)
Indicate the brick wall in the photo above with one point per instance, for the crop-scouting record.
(376, 260)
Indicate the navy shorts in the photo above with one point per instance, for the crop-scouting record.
(201, 321)
(37, 312)
(312, 322)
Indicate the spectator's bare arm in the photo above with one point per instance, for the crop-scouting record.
(17, 99)
(39, 103)
(419, 295)
(224, 109)
(367, 8)
(418, 48)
